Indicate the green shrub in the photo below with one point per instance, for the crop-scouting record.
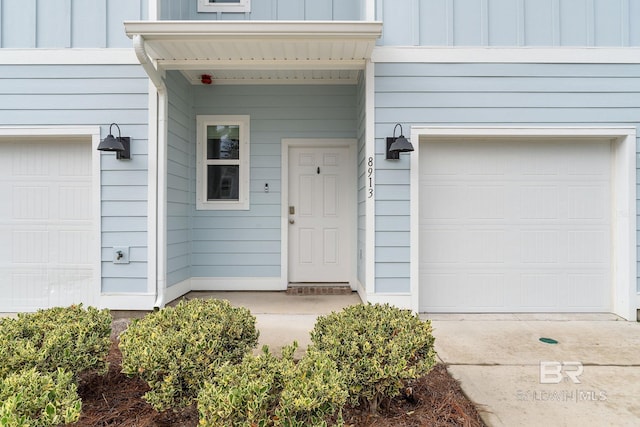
(265, 391)
(32, 399)
(377, 348)
(176, 349)
(313, 390)
(243, 394)
(72, 338)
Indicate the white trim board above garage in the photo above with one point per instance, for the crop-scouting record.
(623, 211)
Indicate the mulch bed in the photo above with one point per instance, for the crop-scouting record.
(116, 400)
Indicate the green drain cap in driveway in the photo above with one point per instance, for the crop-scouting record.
(548, 341)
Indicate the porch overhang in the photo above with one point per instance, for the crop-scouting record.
(259, 52)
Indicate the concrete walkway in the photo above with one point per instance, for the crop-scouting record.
(497, 359)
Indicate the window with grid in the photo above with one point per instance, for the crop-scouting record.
(223, 162)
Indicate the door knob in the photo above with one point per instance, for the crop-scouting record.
(292, 221)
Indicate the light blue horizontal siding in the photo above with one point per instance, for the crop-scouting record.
(510, 22)
(481, 95)
(180, 150)
(247, 243)
(76, 95)
(124, 284)
(299, 10)
(57, 24)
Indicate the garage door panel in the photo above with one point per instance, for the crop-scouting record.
(30, 202)
(444, 201)
(538, 202)
(477, 195)
(586, 290)
(29, 246)
(589, 163)
(540, 291)
(588, 202)
(588, 247)
(447, 251)
(485, 246)
(541, 247)
(486, 290)
(533, 229)
(442, 289)
(74, 202)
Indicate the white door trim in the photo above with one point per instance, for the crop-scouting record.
(84, 134)
(284, 215)
(624, 268)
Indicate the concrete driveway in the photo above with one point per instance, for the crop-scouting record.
(591, 377)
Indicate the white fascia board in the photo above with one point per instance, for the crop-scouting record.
(265, 65)
(510, 131)
(282, 82)
(107, 56)
(158, 30)
(558, 55)
(49, 131)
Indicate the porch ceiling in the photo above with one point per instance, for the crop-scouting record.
(260, 52)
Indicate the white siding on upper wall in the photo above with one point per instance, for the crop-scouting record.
(39, 95)
(247, 243)
(481, 95)
(67, 23)
(509, 22)
(299, 10)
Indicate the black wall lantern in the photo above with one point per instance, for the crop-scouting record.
(398, 145)
(121, 145)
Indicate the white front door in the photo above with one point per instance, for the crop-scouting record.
(320, 213)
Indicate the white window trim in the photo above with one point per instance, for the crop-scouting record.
(201, 169)
(241, 6)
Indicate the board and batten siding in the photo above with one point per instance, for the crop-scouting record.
(53, 95)
(481, 95)
(509, 22)
(58, 24)
(268, 10)
(247, 243)
(180, 162)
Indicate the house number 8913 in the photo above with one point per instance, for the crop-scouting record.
(370, 177)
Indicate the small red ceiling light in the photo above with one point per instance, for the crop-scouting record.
(206, 79)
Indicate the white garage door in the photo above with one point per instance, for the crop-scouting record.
(515, 225)
(46, 224)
